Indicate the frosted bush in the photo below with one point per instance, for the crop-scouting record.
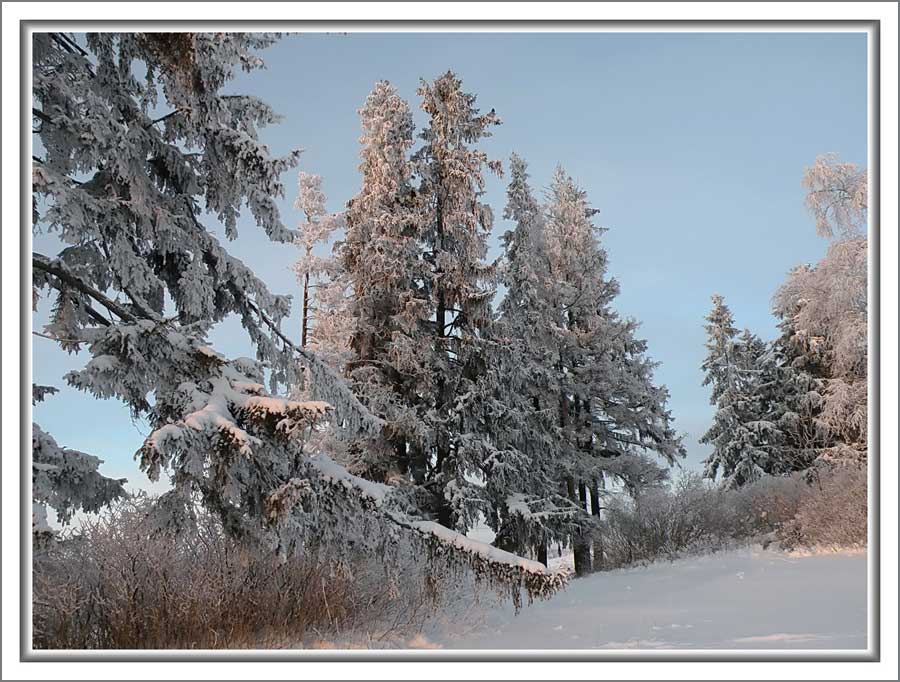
(825, 508)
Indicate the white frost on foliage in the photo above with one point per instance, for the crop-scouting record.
(517, 504)
(837, 196)
(325, 319)
(142, 281)
(380, 493)
(484, 550)
(215, 411)
(68, 480)
(333, 472)
(283, 405)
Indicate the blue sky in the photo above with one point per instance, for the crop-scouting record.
(691, 145)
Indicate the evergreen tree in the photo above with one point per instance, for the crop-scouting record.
(383, 257)
(64, 479)
(529, 512)
(610, 414)
(796, 400)
(745, 439)
(459, 289)
(802, 400)
(824, 322)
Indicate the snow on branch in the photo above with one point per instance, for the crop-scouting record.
(243, 451)
(328, 385)
(509, 572)
(67, 480)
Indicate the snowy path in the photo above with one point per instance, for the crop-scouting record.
(745, 599)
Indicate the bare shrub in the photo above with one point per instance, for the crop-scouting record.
(117, 583)
(763, 507)
(832, 514)
(666, 523)
(822, 508)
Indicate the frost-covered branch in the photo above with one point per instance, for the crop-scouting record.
(508, 571)
(41, 262)
(68, 480)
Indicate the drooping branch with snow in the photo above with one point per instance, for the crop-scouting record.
(66, 480)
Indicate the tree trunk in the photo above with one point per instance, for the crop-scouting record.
(304, 324)
(595, 497)
(417, 463)
(599, 559)
(542, 553)
(599, 563)
(401, 455)
(441, 400)
(445, 514)
(582, 551)
(563, 409)
(580, 545)
(584, 540)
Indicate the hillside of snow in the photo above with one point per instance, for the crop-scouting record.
(742, 599)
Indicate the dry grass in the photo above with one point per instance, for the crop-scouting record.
(117, 584)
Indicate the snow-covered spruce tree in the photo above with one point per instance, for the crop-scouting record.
(459, 289)
(127, 192)
(610, 413)
(128, 179)
(823, 309)
(761, 407)
(794, 395)
(382, 254)
(739, 368)
(120, 190)
(720, 369)
(529, 511)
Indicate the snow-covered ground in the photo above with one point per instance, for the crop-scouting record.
(742, 599)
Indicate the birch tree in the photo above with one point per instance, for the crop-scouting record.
(823, 308)
(325, 323)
